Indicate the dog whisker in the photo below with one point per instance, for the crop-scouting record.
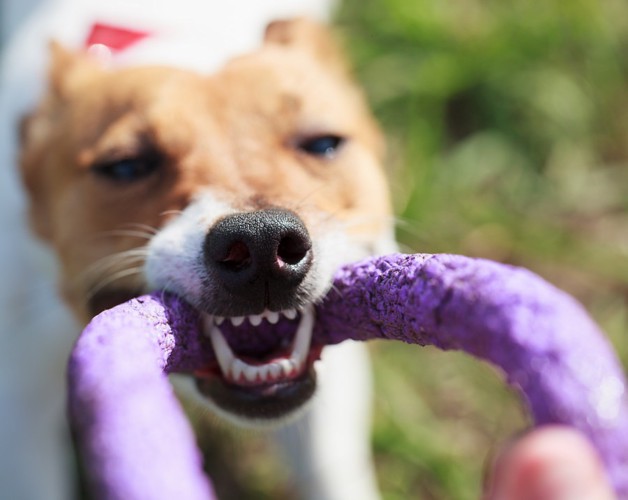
(165, 213)
(133, 233)
(145, 227)
(120, 260)
(132, 229)
(112, 278)
(301, 202)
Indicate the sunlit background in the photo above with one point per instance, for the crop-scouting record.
(508, 130)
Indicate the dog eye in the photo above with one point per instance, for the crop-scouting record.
(322, 145)
(128, 170)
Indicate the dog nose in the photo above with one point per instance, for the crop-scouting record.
(259, 257)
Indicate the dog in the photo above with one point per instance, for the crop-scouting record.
(196, 152)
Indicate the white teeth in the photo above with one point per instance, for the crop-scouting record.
(237, 369)
(290, 313)
(255, 319)
(272, 316)
(274, 370)
(285, 366)
(239, 372)
(237, 320)
(224, 354)
(250, 372)
(303, 336)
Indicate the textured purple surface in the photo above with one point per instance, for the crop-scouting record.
(545, 343)
(134, 438)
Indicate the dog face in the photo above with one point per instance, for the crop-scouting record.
(242, 192)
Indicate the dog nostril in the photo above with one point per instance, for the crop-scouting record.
(256, 260)
(292, 250)
(238, 257)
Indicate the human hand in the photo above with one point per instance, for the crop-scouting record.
(550, 463)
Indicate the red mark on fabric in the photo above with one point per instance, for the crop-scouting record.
(115, 38)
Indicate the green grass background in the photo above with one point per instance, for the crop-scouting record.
(508, 129)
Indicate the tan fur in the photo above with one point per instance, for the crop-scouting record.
(235, 131)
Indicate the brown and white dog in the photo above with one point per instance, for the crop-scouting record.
(241, 188)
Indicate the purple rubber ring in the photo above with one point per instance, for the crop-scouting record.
(138, 445)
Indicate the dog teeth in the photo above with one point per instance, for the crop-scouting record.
(272, 317)
(274, 370)
(250, 373)
(290, 313)
(239, 372)
(237, 320)
(255, 319)
(224, 354)
(237, 369)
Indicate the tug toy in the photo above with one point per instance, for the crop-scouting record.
(137, 444)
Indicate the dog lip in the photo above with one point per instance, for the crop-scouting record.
(262, 403)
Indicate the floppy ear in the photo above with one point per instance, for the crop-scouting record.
(308, 35)
(37, 129)
(68, 69)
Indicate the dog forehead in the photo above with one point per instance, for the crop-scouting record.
(289, 94)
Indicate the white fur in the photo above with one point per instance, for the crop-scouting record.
(175, 254)
(36, 330)
(175, 261)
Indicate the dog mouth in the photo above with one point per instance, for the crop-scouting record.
(263, 371)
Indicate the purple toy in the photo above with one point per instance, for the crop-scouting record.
(137, 444)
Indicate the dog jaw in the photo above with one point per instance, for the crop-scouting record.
(205, 147)
(267, 375)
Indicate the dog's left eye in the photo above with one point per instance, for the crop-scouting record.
(128, 169)
(322, 145)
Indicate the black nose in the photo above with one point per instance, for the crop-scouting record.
(259, 258)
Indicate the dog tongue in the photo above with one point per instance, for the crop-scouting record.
(138, 445)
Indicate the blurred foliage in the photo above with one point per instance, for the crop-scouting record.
(508, 126)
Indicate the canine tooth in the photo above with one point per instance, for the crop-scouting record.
(237, 320)
(224, 354)
(290, 313)
(255, 319)
(272, 316)
(303, 336)
(218, 320)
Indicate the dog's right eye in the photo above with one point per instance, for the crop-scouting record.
(326, 145)
(128, 170)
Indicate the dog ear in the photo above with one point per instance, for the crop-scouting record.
(308, 35)
(68, 69)
(316, 39)
(35, 129)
